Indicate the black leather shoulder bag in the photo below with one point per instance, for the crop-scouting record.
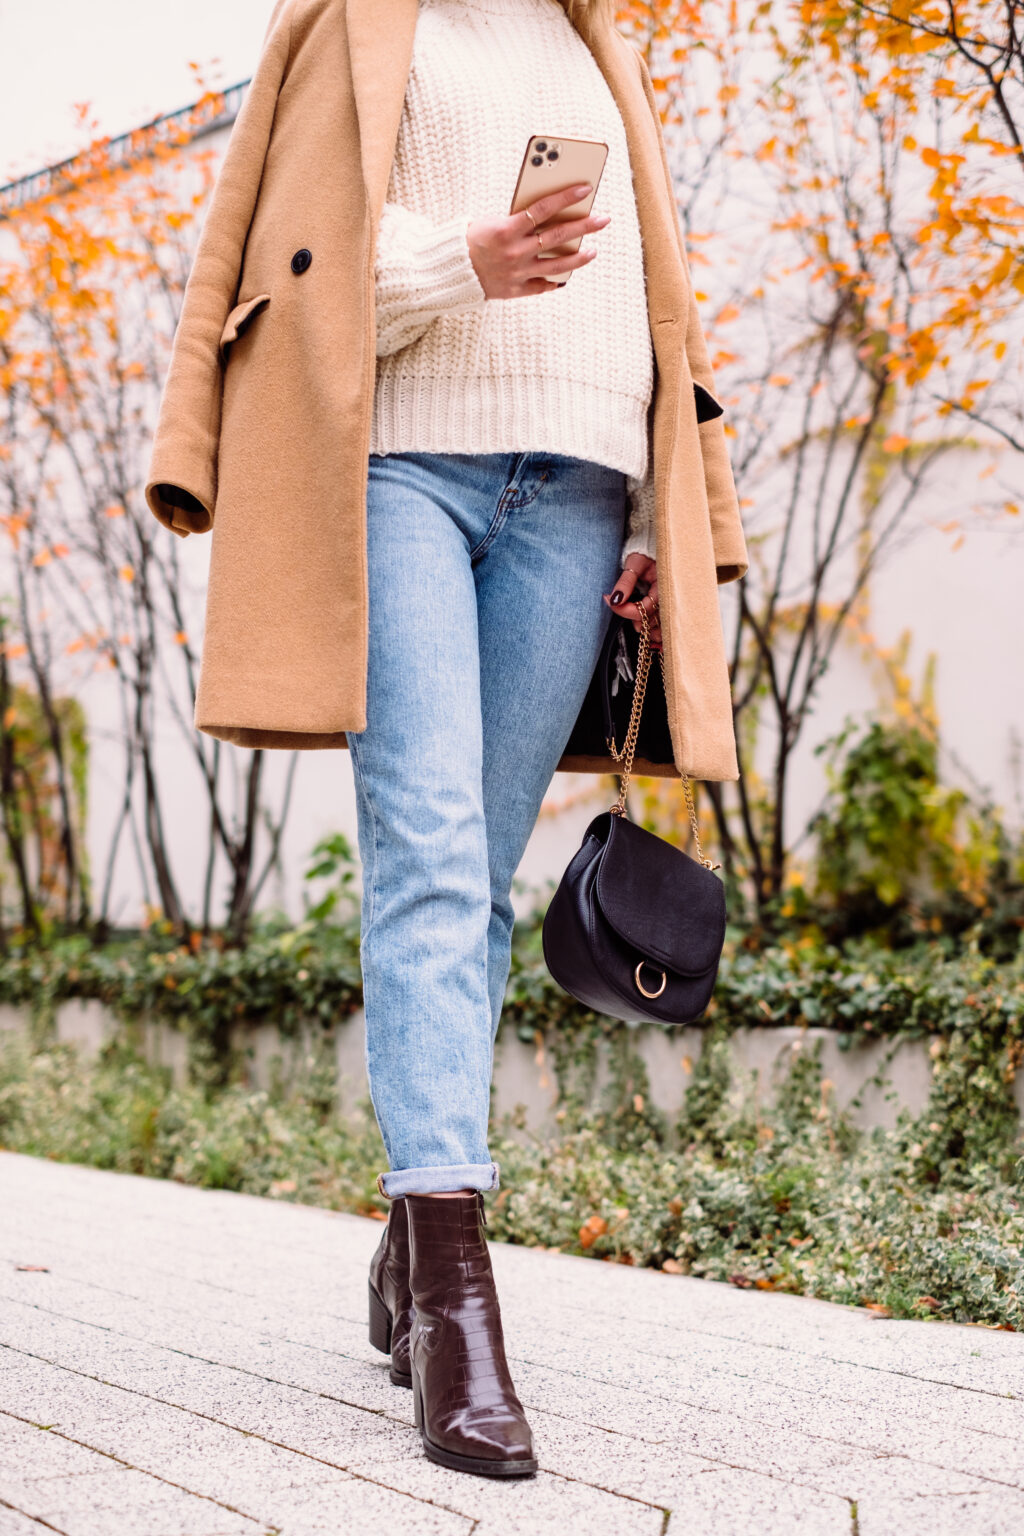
(636, 927)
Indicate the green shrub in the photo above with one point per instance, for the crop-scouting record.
(898, 852)
(924, 1220)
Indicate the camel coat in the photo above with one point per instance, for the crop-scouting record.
(264, 425)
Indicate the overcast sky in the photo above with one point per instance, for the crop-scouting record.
(128, 58)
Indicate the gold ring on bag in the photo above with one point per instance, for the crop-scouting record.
(640, 986)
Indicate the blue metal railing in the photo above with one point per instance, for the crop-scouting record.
(120, 151)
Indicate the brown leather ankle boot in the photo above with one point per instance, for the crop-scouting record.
(467, 1411)
(391, 1309)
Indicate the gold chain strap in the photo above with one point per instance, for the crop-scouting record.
(628, 752)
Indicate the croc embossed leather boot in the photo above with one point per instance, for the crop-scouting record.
(466, 1407)
(391, 1309)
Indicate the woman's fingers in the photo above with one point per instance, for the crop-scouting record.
(641, 571)
(547, 207)
(537, 282)
(538, 269)
(557, 234)
(507, 254)
(618, 597)
(638, 567)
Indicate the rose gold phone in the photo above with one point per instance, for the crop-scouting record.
(551, 164)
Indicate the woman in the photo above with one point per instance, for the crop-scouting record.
(430, 496)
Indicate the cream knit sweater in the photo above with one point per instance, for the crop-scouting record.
(567, 372)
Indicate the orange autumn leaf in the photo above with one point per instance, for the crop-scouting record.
(895, 443)
(127, 573)
(180, 637)
(593, 1228)
(114, 510)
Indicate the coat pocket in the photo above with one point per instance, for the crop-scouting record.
(707, 406)
(238, 319)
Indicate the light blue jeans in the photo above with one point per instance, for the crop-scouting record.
(486, 618)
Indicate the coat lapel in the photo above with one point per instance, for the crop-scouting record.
(380, 47)
(667, 290)
(380, 38)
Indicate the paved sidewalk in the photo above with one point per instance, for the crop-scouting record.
(189, 1363)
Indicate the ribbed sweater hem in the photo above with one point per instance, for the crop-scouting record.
(508, 414)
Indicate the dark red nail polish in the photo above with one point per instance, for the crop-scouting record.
(616, 598)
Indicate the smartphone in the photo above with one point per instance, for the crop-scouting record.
(551, 164)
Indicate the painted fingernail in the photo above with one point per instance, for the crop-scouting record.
(616, 598)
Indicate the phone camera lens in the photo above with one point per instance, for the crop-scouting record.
(536, 159)
(541, 145)
(552, 154)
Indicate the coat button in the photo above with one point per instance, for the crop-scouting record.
(301, 260)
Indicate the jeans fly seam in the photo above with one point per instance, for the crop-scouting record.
(509, 501)
(497, 523)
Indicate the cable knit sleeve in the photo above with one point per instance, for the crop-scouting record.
(422, 270)
(640, 533)
(640, 538)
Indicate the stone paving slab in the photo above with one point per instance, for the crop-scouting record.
(199, 1364)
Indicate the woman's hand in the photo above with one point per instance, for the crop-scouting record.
(506, 252)
(640, 571)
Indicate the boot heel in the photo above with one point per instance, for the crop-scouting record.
(380, 1324)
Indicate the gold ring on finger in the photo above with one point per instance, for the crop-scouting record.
(530, 216)
(540, 242)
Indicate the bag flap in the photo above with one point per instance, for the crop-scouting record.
(239, 318)
(659, 900)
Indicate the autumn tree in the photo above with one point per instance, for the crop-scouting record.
(809, 183)
(92, 287)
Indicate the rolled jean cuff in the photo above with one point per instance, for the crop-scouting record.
(436, 1181)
